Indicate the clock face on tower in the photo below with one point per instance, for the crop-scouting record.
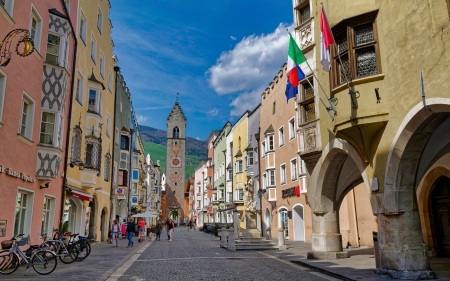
(176, 162)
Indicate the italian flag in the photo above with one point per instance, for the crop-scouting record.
(294, 72)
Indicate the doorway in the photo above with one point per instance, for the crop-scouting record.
(440, 202)
(284, 221)
(299, 223)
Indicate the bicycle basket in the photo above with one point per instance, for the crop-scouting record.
(7, 244)
(82, 238)
(23, 241)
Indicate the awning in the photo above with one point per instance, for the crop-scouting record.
(82, 196)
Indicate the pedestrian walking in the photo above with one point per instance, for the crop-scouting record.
(170, 229)
(115, 232)
(158, 231)
(131, 228)
(141, 225)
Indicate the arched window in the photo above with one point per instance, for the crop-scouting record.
(176, 132)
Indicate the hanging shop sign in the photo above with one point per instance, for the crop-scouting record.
(291, 192)
(19, 175)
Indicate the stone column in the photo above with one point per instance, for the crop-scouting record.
(223, 233)
(230, 245)
(235, 223)
(402, 250)
(326, 239)
(281, 244)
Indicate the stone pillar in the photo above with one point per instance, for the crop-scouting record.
(326, 239)
(235, 223)
(402, 250)
(223, 233)
(230, 245)
(281, 244)
(252, 230)
(269, 233)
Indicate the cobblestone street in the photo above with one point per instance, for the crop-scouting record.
(196, 256)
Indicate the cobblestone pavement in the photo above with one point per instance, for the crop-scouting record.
(101, 263)
(194, 255)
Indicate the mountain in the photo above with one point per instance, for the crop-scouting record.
(155, 143)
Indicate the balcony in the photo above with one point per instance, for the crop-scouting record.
(49, 159)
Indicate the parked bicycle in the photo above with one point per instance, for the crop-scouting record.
(82, 244)
(42, 261)
(66, 252)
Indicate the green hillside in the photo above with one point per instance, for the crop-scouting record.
(158, 152)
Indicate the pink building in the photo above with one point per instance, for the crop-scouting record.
(35, 92)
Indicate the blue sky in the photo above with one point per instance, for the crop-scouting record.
(218, 54)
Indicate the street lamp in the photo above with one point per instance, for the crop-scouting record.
(5, 45)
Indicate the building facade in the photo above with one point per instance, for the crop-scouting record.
(175, 165)
(35, 94)
(87, 206)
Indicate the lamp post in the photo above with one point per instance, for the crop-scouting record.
(5, 45)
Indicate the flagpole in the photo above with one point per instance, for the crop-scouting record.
(336, 47)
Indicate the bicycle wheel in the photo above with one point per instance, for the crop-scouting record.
(44, 262)
(9, 262)
(68, 256)
(83, 251)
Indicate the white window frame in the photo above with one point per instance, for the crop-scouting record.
(67, 4)
(238, 166)
(251, 159)
(265, 182)
(270, 143)
(27, 221)
(100, 20)
(294, 170)
(3, 78)
(29, 122)
(108, 125)
(281, 136)
(291, 129)
(239, 191)
(115, 173)
(283, 180)
(51, 213)
(93, 49)
(58, 55)
(98, 101)
(229, 174)
(79, 91)
(302, 167)
(263, 150)
(271, 182)
(9, 7)
(110, 81)
(117, 137)
(52, 133)
(83, 27)
(60, 134)
(102, 64)
(38, 31)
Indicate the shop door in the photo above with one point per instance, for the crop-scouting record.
(284, 222)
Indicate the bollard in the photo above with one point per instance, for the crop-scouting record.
(223, 233)
(269, 233)
(281, 245)
(230, 245)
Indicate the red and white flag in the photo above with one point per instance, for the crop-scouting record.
(326, 39)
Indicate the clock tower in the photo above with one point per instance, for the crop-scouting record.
(175, 164)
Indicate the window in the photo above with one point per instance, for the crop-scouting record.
(47, 215)
(271, 179)
(124, 142)
(303, 14)
(238, 166)
(83, 27)
(273, 108)
(115, 174)
(47, 128)
(294, 169)
(239, 194)
(60, 132)
(265, 183)
(79, 90)
(292, 129)
(53, 42)
(176, 132)
(35, 28)
(7, 5)
(26, 121)
(24, 207)
(2, 93)
(100, 20)
(107, 172)
(94, 49)
(102, 65)
(76, 144)
(221, 196)
(229, 174)
(116, 137)
(357, 53)
(270, 141)
(135, 175)
(95, 100)
(302, 167)
(263, 150)
(250, 158)
(230, 197)
(123, 178)
(308, 105)
(67, 4)
(215, 197)
(110, 81)
(283, 174)
(281, 136)
(108, 125)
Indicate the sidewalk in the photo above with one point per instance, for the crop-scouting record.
(360, 265)
(101, 263)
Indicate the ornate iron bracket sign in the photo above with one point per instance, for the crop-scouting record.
(5, 45)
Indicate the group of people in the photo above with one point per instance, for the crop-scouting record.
(132, 227)
(190, 225)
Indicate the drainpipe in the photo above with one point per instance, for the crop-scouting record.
(130, 176)
(115, 201)
(257, 138)
(66, 153)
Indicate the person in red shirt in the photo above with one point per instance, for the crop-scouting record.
(141, 226)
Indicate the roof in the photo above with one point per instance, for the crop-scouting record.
(269, 130)
(239, 153)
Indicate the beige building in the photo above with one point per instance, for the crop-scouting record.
(389, 138)
(87, 204)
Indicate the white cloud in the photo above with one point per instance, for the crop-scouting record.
(253, 62)
(246, 101)
(197, 138)
(213, 112)
(141, 119)
(233, 38)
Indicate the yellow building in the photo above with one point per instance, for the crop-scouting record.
(240, 179)
(87, 204)
(390, 130)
